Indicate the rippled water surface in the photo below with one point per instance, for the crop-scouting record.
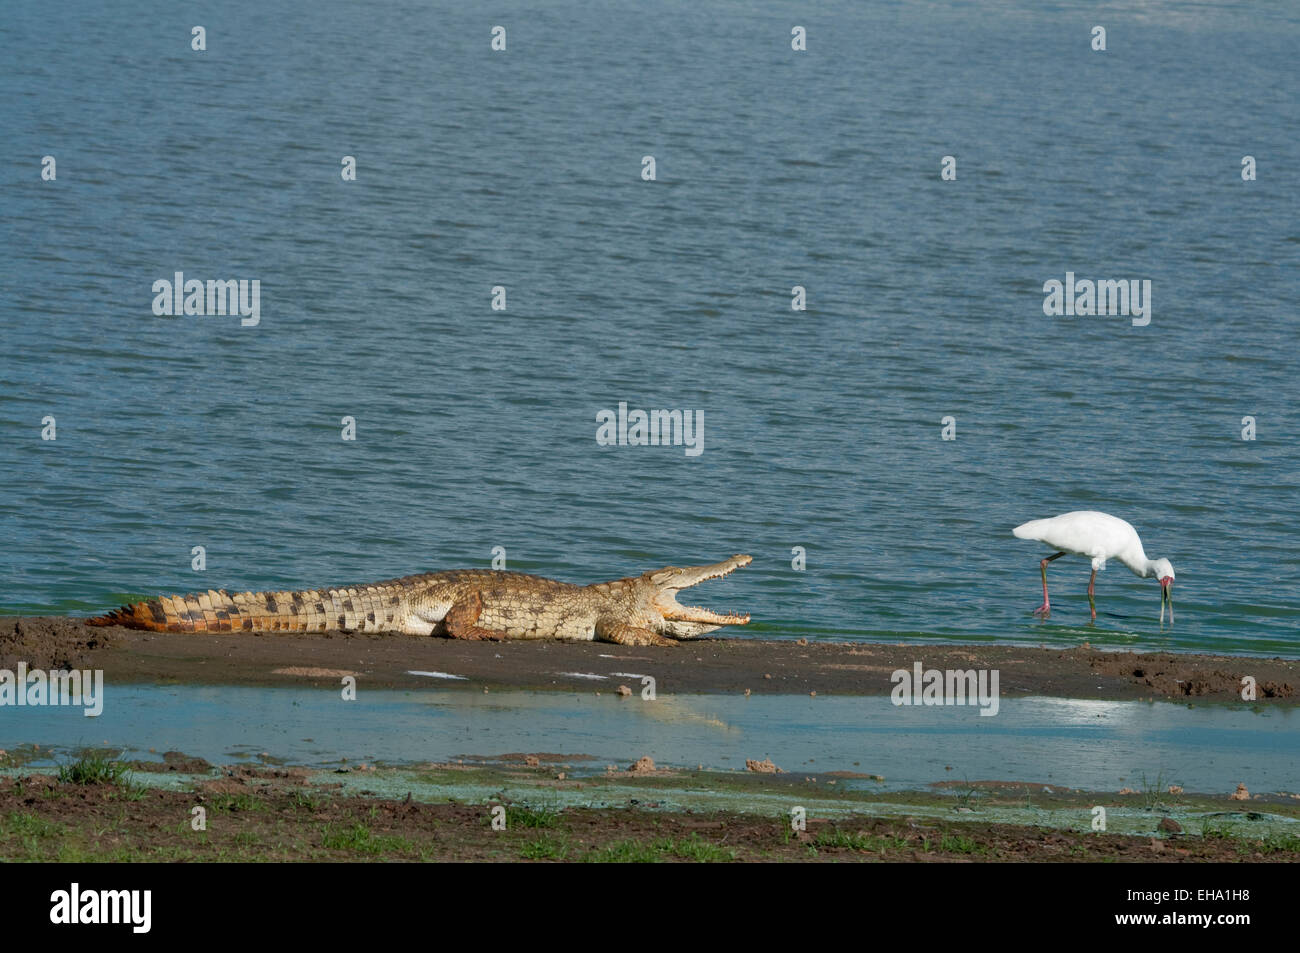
(476, 428)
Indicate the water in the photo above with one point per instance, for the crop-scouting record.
(476, 428)
(1094, 745)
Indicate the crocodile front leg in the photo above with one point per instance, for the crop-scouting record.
(462, 620)
(624, 634)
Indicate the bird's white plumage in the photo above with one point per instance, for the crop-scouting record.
(1099, 536)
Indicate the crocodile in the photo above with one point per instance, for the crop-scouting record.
(460, 603)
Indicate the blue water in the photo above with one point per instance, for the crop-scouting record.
(1096, 745)
(476, 428)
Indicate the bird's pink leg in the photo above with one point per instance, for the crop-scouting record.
(1091, 604)
(1046, 608)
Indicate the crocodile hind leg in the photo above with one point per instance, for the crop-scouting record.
(462, 620)
(623, 634)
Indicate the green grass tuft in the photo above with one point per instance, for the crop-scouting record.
(663, 848)
(95, 768)
(544, 848)
(358, 838)
(237, 803)
(838, 839)
(519, 816)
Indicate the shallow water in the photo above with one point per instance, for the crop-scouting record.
(1094, 745)
(476, 428)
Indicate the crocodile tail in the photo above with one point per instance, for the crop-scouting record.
(365, 608)
(156, 615)
(213, 611)
(135, 616)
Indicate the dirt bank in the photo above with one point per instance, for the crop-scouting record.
(702, 666)
(53, 643)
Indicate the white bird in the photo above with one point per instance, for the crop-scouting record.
(1100, 537)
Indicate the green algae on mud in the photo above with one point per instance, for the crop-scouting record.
(551, 786)
(984, 802)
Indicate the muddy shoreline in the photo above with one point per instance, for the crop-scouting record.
(40, 819)
(276, 813)
(700, 667)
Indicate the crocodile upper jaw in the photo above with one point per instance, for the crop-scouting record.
(671, 581)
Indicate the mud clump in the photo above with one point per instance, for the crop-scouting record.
(526, 758)
(643, 765)
(174, 761)
(308, 672)
(52, 644)
(1186, 677)
(762, 767)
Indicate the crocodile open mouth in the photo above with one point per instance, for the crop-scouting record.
(675, 580)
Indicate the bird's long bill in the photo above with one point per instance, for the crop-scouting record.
(1167, 595)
